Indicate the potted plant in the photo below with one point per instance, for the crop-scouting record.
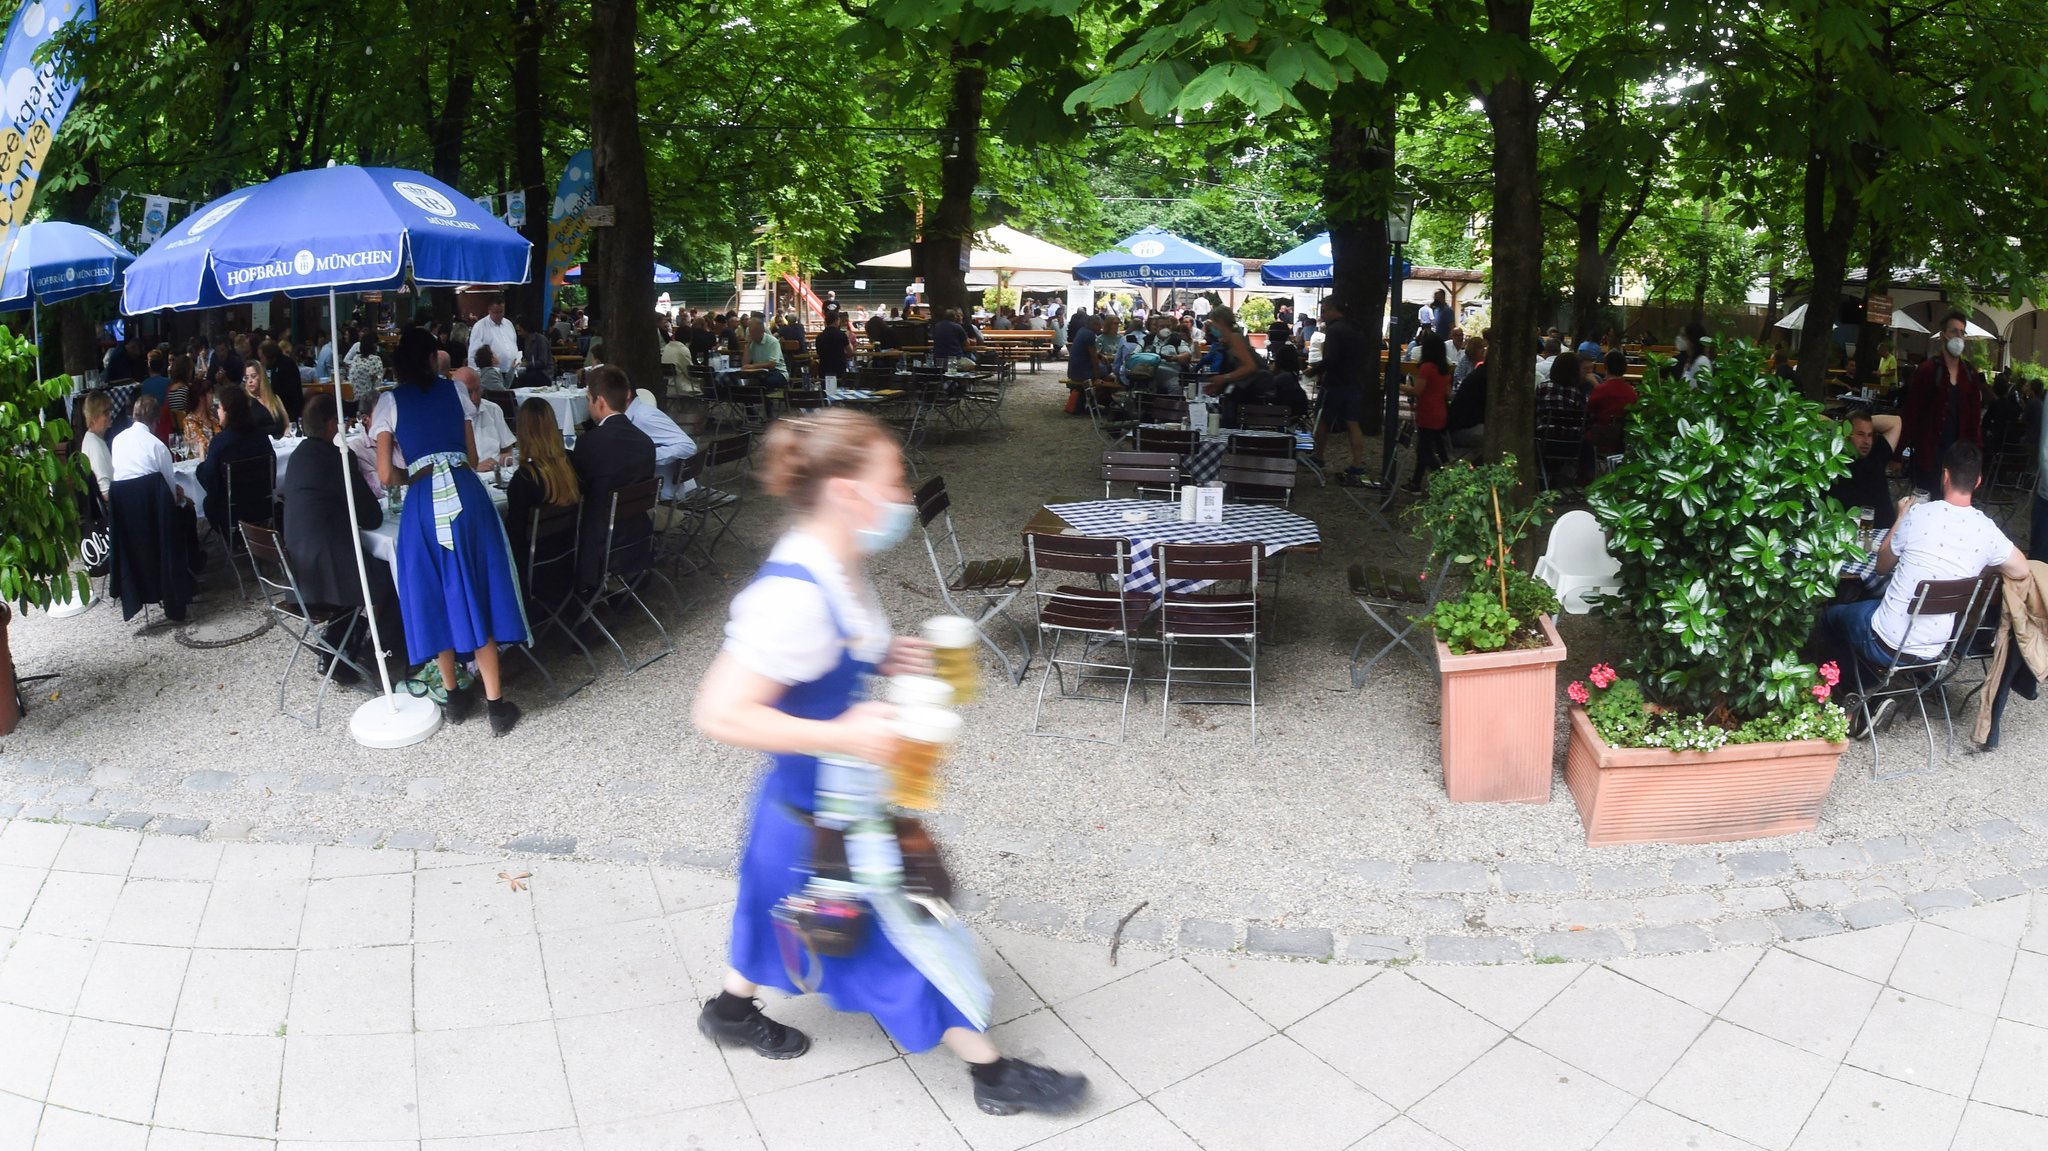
(1728, 545)
(39, 524)
(1497, 649)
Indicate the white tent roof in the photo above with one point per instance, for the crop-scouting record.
(999, 248)
(1900, 321)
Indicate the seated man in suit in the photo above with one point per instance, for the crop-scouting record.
(316, 533)
(612, 454)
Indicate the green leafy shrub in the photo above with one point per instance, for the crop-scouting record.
(39, 526)
(1727, 540)
(1256, 315)
(1000, 297)
(1469, 520)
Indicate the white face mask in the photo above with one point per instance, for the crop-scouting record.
(1955, 346)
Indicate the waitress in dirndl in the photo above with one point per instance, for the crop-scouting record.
(802, 640)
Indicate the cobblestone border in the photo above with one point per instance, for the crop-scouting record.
(1487, 913)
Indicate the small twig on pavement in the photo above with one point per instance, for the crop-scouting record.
(1116, 938)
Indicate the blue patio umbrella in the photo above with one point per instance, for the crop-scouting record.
(1156, 258)
(54, 261)
(663, 274)
(319, 232)
(1309, 265)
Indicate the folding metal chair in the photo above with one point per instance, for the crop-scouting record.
(714, 505)
(979, 589)
(1965, 600)
(1155, 474)
(628, 564)
(1154, 408)
(1099, 616)
(1225, 613)
(1386, 595)
(305, 623)
(548, 581)
(1561, 447)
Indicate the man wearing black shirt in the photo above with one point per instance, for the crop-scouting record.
(1341, 375)
(835, 347)
(1467, 422)
(949, 339)
(1876, 439)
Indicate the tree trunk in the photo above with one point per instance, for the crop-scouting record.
(1517, 252)
(1589, 271)
(10, 711)
(1827, 246)
(1877, 280)
(69, 326)
(951, 228)
(1355, 185)
(529, 161)
(625, 269)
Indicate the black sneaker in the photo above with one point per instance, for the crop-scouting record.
(461, 702)
(1022, 1086)
(768, 1038)
(504, 713)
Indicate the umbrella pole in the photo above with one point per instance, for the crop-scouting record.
(35, 320)
(395, 720)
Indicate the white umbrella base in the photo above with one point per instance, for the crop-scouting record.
(394, 721)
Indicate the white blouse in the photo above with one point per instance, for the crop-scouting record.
(782, 627)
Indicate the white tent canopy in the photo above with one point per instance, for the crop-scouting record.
(1030, 261)
(1900, 322)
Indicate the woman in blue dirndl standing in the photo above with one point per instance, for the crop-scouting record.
(456, 587)
(802, 639)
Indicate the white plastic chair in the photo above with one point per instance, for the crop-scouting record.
(1575, 562)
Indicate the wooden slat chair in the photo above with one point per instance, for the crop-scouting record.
(1099, 617)
(1152, 474)
(1224, 613)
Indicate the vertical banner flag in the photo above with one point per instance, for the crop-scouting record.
(156, 218)
(515, 209)
(485, 202)
(567, 230)
(37, 100)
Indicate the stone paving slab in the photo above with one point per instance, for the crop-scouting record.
(1501, 909)
(380, 997)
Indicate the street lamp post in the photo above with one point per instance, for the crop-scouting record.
(1399, 219)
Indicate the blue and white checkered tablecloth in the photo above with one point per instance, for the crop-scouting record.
(1275, 528)
(1864, 569)
(855, 396)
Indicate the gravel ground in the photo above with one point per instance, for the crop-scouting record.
(1200, 821)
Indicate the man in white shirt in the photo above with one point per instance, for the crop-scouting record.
(499, 333)
(138, 453)
(493, 436)
(99, 416)
(1946, 539)
(672, 444)
(676, 354)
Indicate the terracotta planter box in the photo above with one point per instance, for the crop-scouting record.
(1649, 795)
(1500, 721)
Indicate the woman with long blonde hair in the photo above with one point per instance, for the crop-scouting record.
(544, 479)
(263, 397)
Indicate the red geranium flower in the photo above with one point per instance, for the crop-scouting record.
(1578, 693)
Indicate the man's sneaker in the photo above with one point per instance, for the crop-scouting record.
(1021, 1086)
(756, 1030)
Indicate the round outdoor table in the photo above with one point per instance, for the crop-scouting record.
(1279, 531)
(572, 405)
(185, 473)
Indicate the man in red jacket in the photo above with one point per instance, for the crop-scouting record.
(1944, 403)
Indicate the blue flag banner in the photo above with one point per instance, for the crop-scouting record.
(37, 100)
(567, 230)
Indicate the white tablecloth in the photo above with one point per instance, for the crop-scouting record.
(382, 541)
(572, 405)
(186, 472)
